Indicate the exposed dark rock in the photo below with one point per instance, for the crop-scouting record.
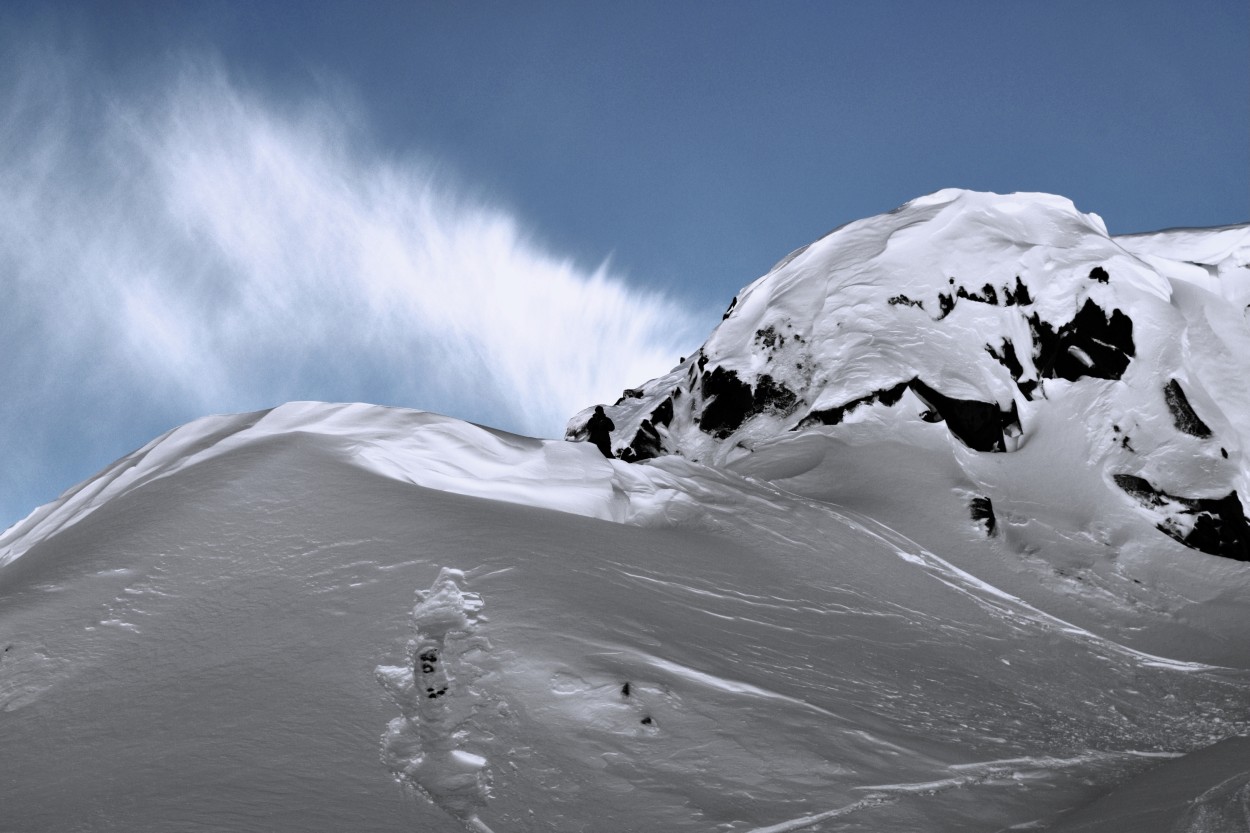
(1182, 413)
(1099, 274)
(983, 510)
(771, 395)
(1140, 489)
(1224, 452)
(625, 690)
(663, 413)
(647, 442)
(770, 338)
(1091, 344)
(903, 299)
(988, 295)
(892, 396)
(1221, 528)
(1007, 358)
(1012, 296)
(978, 425)
(729, 402)
(833, 416)
(1218, 525)
(732, 304)
(1017, 297)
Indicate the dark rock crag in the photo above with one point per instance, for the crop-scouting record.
(982, 511)
(981, 426)
(1183, 413)
(1092, 344)
(1216, 526)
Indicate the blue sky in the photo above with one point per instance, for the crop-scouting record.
(505, 211)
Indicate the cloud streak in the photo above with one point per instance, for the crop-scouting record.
(196, 247)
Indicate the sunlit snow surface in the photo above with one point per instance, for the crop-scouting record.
(344, 617)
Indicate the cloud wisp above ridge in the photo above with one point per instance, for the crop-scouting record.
(196, 247)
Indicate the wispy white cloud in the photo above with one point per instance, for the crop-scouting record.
(196, 246)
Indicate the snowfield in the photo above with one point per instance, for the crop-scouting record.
(953, 607)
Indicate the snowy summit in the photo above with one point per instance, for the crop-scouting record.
(1003, 322)
(942, 529)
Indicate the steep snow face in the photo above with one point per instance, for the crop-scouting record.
(978, 322)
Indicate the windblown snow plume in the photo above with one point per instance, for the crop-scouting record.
(196, 247)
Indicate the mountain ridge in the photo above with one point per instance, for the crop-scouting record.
(978, 311)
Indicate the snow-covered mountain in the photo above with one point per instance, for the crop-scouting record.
(901, 554)
(990, 323)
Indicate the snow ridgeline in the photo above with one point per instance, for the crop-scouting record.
(418, 447)
(425, 747)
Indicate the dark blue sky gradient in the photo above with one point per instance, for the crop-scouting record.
(696, 143)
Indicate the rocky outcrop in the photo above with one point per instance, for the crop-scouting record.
(1006, 318)
(981, 426)
(1094, 343)
(1212, 525)
(981, 510)
(1183, 415)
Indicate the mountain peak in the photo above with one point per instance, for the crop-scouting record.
(960, 321)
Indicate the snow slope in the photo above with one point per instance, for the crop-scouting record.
(937, 532)
(220, 633)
